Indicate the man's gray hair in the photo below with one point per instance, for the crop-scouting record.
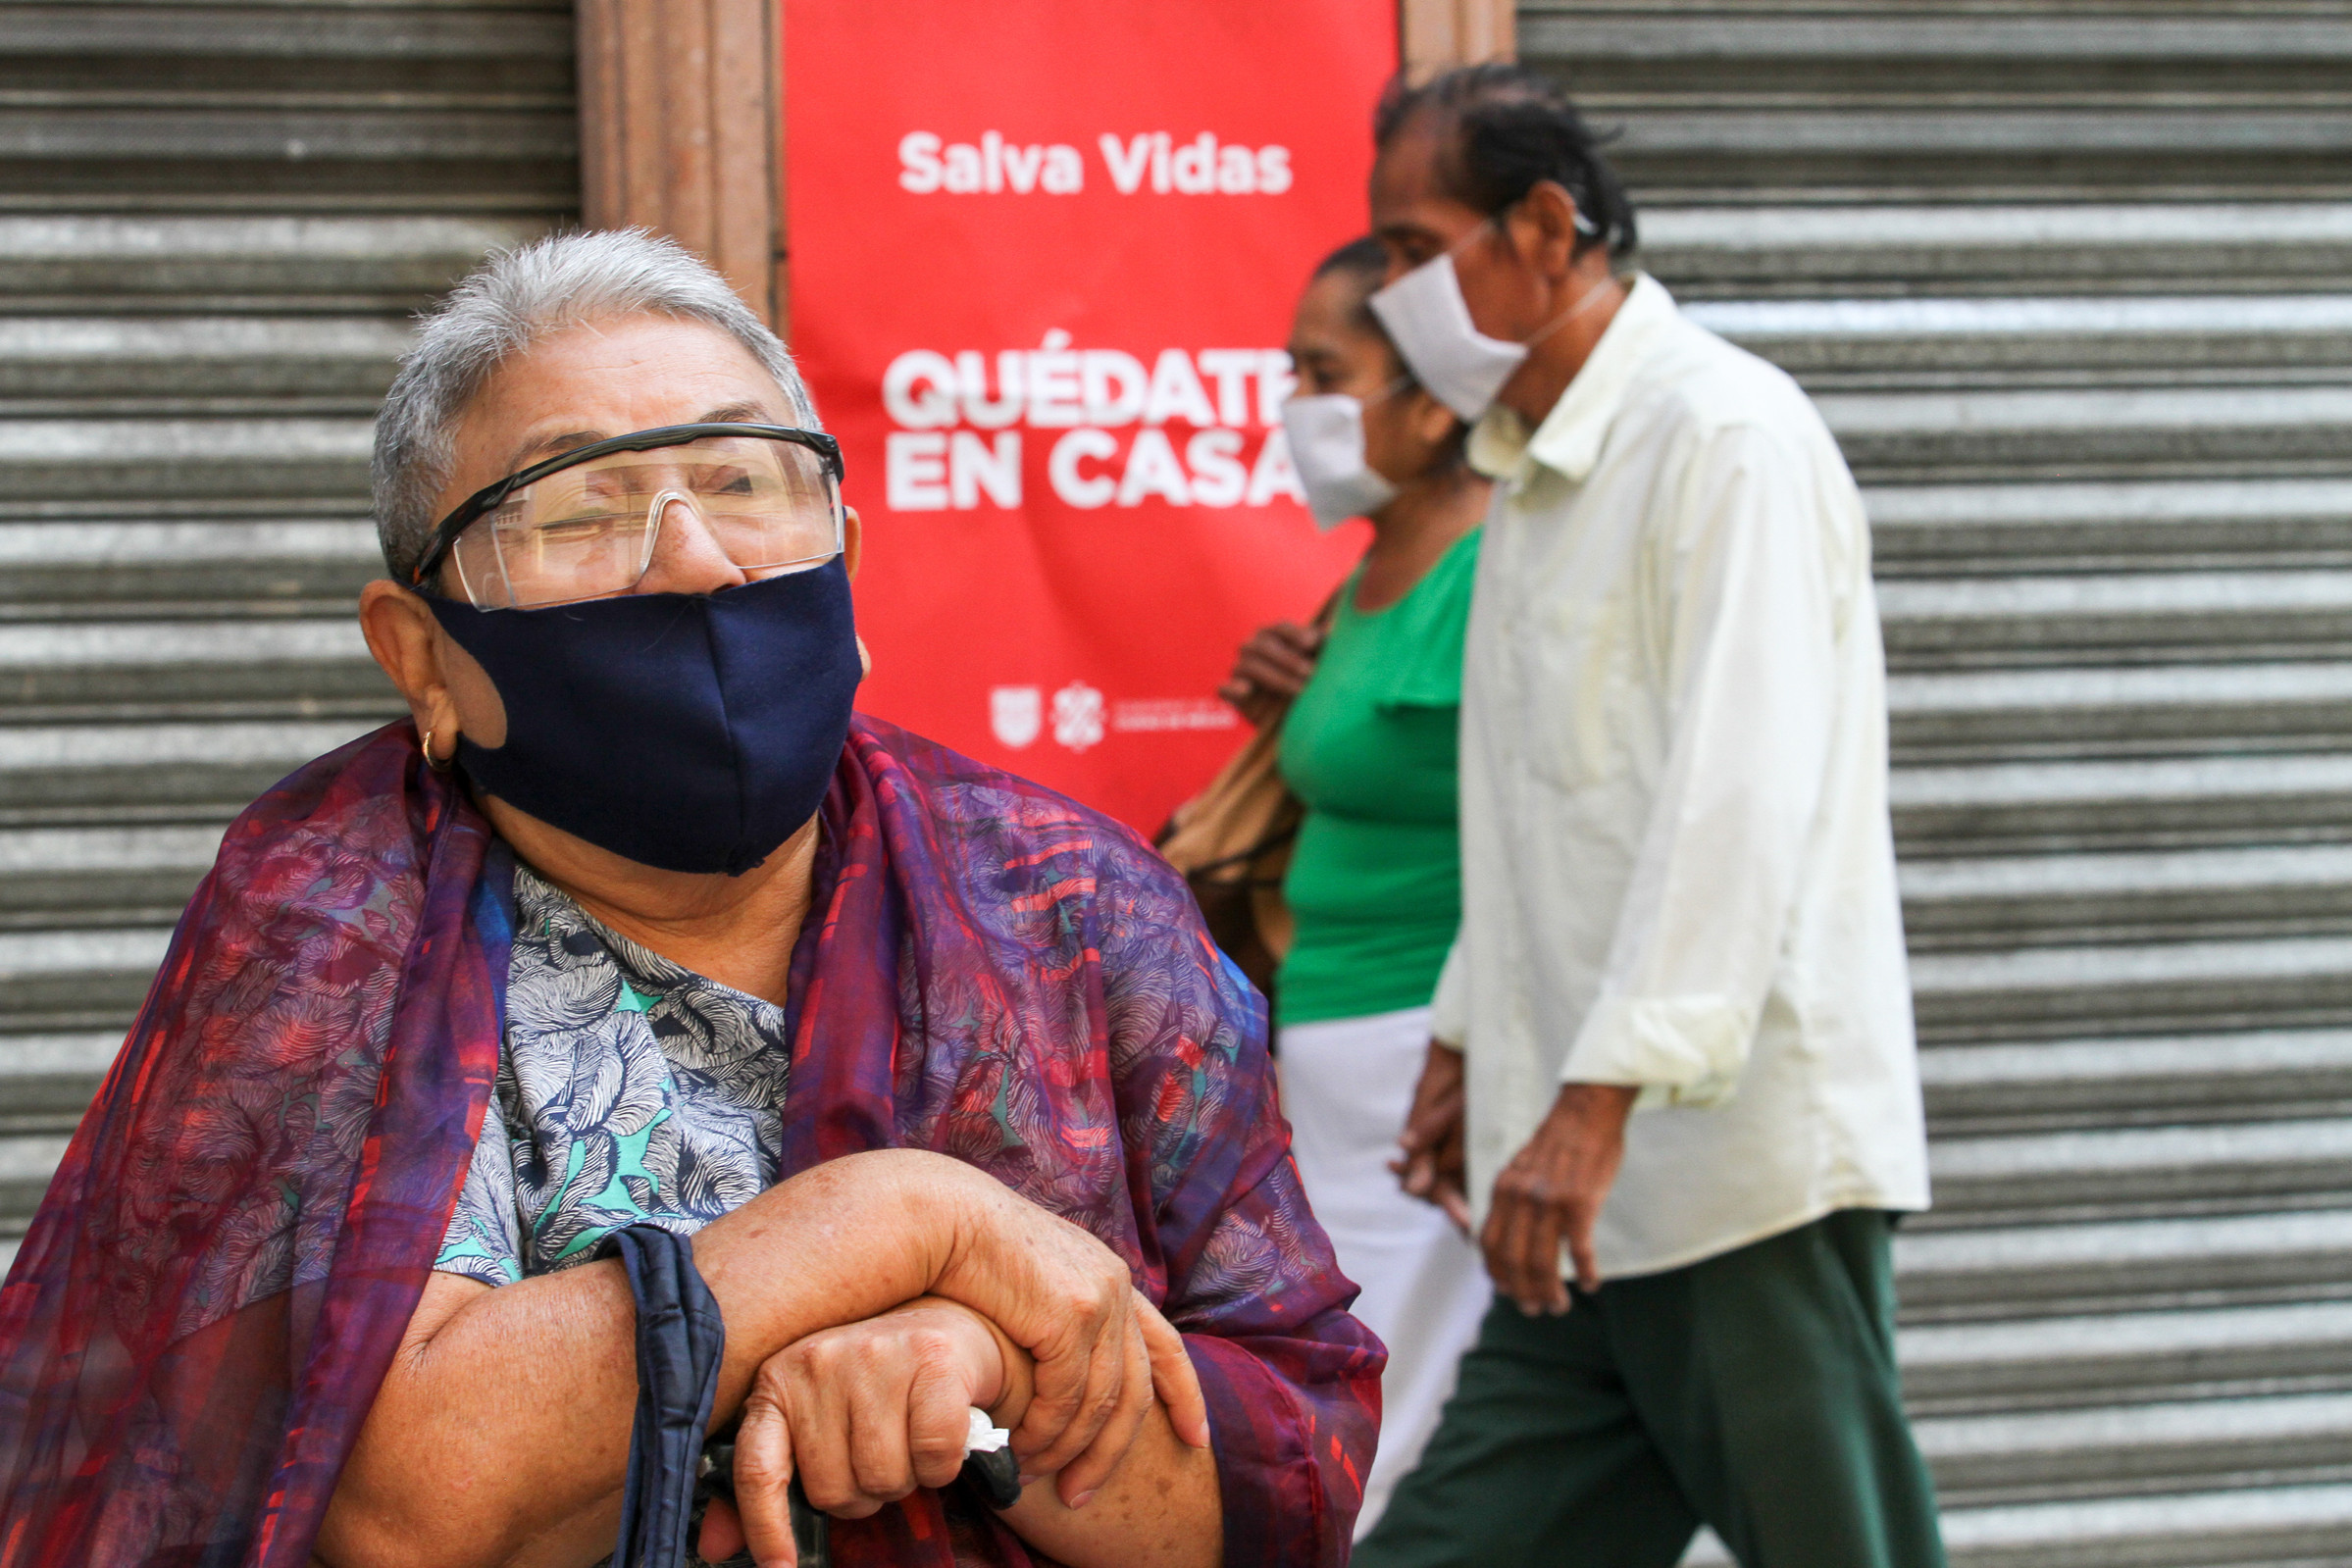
(510, 301)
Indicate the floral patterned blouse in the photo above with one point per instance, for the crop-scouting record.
(628, 1090)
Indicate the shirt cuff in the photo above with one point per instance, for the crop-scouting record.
(1276, 1492)
(1449, 1008)
(1681, 1050)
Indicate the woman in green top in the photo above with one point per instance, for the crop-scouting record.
(1369, 746)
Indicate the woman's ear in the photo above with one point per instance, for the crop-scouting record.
(405, 640)
(1433, 424)
(853, 539)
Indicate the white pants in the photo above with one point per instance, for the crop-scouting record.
(1347, 1084)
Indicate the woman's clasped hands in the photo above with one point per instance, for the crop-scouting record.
(1031, 1318)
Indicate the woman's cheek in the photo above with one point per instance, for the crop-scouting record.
(1384, 451)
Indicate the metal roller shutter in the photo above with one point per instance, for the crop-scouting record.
(213, 221)
(2069, 280)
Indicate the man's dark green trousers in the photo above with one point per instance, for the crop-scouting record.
(1755, 1392)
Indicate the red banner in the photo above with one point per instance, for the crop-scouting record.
(1043, 259)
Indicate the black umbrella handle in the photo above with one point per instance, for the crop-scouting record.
(995, 1476)
(813, 1533)
(812, 1536)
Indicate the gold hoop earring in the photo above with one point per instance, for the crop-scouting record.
(438, 764)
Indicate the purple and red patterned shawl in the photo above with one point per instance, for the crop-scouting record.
(198, 1319)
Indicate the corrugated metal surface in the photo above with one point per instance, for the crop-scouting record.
(2073, 281)
(213, 221)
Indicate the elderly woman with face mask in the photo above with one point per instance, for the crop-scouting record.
(637, 932)
(1374, 881)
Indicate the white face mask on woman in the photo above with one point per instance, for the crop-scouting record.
(1326, 435)
(1430, 324)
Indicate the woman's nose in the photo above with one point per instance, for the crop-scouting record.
(688, 557)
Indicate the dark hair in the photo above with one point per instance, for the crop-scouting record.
(1365, 264)
(1507, 128)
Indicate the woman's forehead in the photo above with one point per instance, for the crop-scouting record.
(1330, 319)
(635, 360)
(608, 379)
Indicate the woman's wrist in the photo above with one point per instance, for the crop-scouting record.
(877, 1237)
(1016, 1384)
(943, 1202)
(913, 1194)
(983, 1354)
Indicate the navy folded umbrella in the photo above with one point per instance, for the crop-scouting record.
(681, 1339)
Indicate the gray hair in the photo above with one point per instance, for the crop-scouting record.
(511, 301)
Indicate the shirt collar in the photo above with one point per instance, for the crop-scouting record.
(1569, 441)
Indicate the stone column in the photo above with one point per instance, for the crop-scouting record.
(1441, 33)
(680, 111)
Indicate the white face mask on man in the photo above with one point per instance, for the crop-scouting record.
(1326, 435)
(1430, 324)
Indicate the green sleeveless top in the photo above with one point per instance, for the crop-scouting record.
(1370, 747)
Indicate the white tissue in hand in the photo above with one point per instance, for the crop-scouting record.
(983, 1435)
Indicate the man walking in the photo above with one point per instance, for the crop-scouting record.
(1674, 1036)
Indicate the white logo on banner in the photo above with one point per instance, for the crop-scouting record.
(1016, 714)
(1078, 716)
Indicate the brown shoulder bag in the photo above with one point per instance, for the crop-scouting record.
(1233, 843)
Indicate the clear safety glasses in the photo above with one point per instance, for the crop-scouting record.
(583, 525)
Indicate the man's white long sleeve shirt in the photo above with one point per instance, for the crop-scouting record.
(1678, 867)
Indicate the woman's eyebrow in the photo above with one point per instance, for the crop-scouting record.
(549, 446)
(565, 441)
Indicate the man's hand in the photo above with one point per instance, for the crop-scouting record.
(1429, 1151)
(1551, 1191)
(1272, 667)
(865, 1414)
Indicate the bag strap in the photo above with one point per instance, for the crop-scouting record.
(1324, 616)
(1207, 870)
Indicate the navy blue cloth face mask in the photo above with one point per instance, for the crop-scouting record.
(695, 732)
